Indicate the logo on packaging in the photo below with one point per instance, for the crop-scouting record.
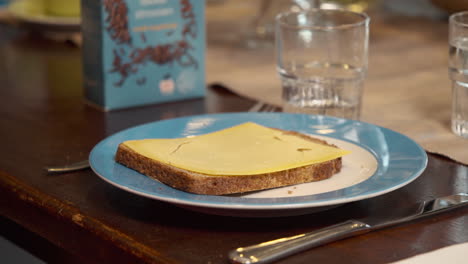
(167, 85)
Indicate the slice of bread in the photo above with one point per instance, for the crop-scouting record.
(201, 183)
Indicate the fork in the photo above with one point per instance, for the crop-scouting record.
(84, 164)
(263, 107)
(80, 165)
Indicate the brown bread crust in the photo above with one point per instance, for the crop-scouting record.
(199, 183)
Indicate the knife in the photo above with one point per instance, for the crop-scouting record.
(267, 252)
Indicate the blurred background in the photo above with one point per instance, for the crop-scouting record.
(254, 20)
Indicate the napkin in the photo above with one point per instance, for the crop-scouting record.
(455, 254)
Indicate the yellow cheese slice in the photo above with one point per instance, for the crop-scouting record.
(245, 149)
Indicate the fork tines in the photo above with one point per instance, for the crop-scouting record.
(264, 107)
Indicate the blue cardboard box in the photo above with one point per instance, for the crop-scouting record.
(139, 52)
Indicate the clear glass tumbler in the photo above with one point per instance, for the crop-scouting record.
(322, 61)
(458, 71)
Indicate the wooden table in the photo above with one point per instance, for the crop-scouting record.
(76, 217)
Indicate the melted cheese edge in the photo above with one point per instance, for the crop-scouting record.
(245, 149)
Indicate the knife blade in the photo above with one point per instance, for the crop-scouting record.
(269, 251)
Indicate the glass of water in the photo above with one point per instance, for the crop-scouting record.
(458, 71)
(322, 61)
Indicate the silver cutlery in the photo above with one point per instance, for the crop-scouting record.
(273, 250)
(84, 164)
(80, 165)
(264, 107)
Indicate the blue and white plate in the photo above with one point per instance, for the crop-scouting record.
(381, 161)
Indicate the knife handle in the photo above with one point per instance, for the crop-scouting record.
(275, 249)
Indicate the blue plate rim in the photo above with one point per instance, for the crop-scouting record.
(229, 202)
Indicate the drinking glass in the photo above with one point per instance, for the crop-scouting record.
(262, 31)
(458, 71)
(322, 61)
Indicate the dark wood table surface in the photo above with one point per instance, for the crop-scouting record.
(78, 218)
